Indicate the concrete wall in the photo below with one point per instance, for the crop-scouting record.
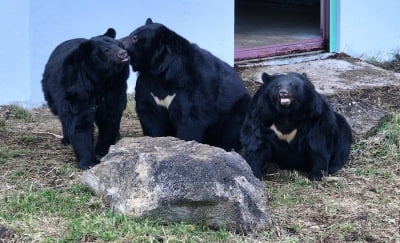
(15, 80)
(32, 29)
(369, 29)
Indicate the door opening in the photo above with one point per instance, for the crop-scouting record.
(265, 28)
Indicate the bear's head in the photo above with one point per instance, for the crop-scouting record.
(147, 45)
(105, 54)
(291, 93)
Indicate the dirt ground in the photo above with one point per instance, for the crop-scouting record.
(39, 155)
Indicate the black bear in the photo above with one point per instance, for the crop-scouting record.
(290, 124)
(185, 91)
(85, 81)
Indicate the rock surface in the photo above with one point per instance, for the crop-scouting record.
(182, 182)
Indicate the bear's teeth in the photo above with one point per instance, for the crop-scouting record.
(285, 101)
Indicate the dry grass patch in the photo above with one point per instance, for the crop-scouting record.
(41, 200)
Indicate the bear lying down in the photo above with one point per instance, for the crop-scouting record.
(290, 124)
(84, 82)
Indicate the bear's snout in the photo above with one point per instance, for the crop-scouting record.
(283, 93)
(284, 98)
(123, 55)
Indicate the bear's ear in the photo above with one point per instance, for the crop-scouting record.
(111, 33)
(149, 21)
(304, 75)
(266, 78)
(166, 36)
(85, 47)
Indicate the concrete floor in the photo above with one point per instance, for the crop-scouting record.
(261, 24)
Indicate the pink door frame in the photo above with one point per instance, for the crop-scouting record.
(289, 48)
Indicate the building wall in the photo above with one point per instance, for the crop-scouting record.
(14, 51)
(369, 29)
(32, 29)
(35, 28)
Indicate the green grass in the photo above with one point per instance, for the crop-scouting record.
(6, 154)
(72, 214)
(26, 138)
(383, 147)
(64, 170)
(2, 124)
(85, 217)
(20, 113)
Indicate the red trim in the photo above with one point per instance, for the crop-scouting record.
(279, 49)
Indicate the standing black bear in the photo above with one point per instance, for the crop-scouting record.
(184, 91)
(84, 81)
(290, 124)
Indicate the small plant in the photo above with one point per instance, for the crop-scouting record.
(17, 175)
(5, 154)
(2, 124)
(64, 170)
(26, 138)
(20, 113)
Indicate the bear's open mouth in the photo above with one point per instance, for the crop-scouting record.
(285, 101)
(125, 59)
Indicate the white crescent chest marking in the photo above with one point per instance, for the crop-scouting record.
(166, 102)
(288, 137)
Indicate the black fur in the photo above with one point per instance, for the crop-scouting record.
(321, 143)
(210, 99)
(85, 82)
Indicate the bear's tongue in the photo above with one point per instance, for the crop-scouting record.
(285, 102)
(125, 60)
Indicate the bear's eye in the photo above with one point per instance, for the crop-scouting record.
(135, 39)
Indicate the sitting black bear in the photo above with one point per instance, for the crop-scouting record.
(185, 91)
(290, 124)
(84, 81)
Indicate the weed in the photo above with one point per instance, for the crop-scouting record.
(20, 113)
(2, 124)
(17, 175)
(26, 138)
(64, 170)
(6, 154)
(291, 240)
(296, 228)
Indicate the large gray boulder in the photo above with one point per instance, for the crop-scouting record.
(182, 182)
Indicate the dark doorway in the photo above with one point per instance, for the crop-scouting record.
(276, 27)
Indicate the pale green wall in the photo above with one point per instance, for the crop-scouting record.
(369, 29)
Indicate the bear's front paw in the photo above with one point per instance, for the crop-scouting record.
(315, 176)
(65, 141)
(84, 165)
(101, 150)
